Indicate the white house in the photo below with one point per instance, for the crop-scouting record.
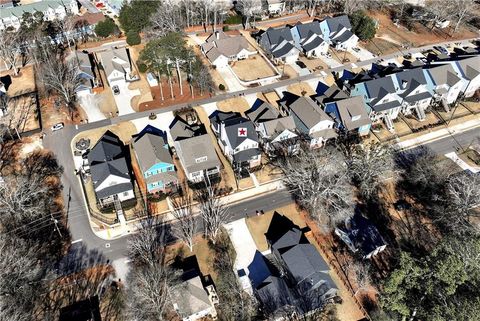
(117, 65)
(278, 43)
(411, 86)
(310, 120)
(469, 69)
(237, 139)
(338, 32)
(109, 170)
(275, 6)
(308, 38)
(221, 48)
(444, 83)
(11, 17)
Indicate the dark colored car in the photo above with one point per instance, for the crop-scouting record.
(301, 64)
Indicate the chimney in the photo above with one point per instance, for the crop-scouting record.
(217, 34)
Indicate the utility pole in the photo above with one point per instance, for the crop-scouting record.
(54, 220)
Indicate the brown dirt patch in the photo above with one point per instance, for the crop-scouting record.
(301, 89)
(237, 104)
(124, 130)
(253, 68)
(413, 122)
(23, 83)
(313, 64)
(22, 113)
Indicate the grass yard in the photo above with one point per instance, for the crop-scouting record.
(270, 97)
(124, 130)
(313, 64)
(459, 111)
(22, 113)
(430, 119)
(341, 55)
(253, 68)
(472, 106)
(23, 83)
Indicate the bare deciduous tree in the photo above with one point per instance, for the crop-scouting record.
(146, 246)
(369, 165)
(462, 9)
(320, 183)
(186, 226)
(11, 48)
(167, 18)
(248, 8)
(212, 210)
(62, 76)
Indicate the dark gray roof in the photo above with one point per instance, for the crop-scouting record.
(218, 117)
(151, 148)
(307, 111)
(274, 293)
(246, 155)
(332, 93)
(379, 88)
(109, 147)
(317, 41)
(262, 111)
(180, 129)
(101, 171)
(277, 35)
(281, 51)
(418, 97)
(411, 78)
(337, 23)
(232, 127)
(304, 29)
(386, 106)
(363, 234)
(344, 36)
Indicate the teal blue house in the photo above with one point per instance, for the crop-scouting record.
(155, 160)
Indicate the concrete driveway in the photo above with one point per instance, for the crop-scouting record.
(362, 54)
(331, 63)
(124, 97)
(162, 122)
(300, 71)
(229, 77)
(89, 103)
(461, 163)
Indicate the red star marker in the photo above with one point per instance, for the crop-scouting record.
(242, 132)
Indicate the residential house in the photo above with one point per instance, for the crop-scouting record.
(306, 270)
(381, 98)
(220, 48)
(469, 69)
(411, 86)
(361, 236)
(275, 131)
(278, 44)
(308, 38)
(117, 65)
(109, 170)
(85, 310)
(194, 148)
(237, 138)
(309, 118)
(275, 7)
(276, 297)
(155, 160)
(337, 31)
(12, 16)
(86, 72)
(194, 297)
(444, 83)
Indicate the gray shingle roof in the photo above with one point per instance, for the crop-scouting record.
(281, 50)
(308, 112)
(261, 113)
(350, 107)
(276, 35)
(304, 29)
(317, 41)
(225, 45)
(344, 36)
(151, 148)
(180, 129)
(115, 59)
(190, 149)
(190, 297)
(276, 126)
(232, 127)
(337, 23)
(109, 147)
(470, 67)
(443, 75)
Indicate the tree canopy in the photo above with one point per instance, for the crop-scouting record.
(105, 28)
(362, 25)
(135, 16)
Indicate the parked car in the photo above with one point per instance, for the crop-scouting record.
(356, 49)
(328, 55)
(116, 90)
(301, 64)
(57, 126)
(441, 49)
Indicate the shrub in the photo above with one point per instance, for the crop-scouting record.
(362, 25)
(133, 38)
(221, 87)
(105, 28)
(141, 67)
(233, 20)
(226, 28)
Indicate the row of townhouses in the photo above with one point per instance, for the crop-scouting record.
(12, 16)
(284, 44)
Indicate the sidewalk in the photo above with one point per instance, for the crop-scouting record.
(119, 230)
(439, 134)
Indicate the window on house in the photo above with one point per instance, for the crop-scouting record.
(201, 159)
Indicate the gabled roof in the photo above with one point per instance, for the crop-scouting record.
(276, 126)
(470, 67)
(108, 148)
(363, 234)
(317, 41)
(190, 297)
(41, 6)
(352, 107)
(283, 233)
(115, 59)
(282, 49)
(261, 111)
(219, 43)
(191, 149)
(340, 37)
(380, 87)
(151, 148)
(305, 30)
(232, 122)
(218, 117)
(180, 129)
(327, 94)
(277, 35)
(274, 293)
(306, 110)
(336, 23)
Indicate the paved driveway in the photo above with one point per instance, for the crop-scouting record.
(362, 54)
(463, 165)
(300, 71)
(228, 76)
(123, 99)
(331, 63)
(89, 103)
(162, 122)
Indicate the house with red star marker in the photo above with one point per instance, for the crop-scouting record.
(237, 139)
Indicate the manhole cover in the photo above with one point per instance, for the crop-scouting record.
(107, 245)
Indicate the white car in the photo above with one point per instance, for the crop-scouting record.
(441, 49)
(57, 127)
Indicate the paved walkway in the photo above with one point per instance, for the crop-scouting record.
(460, 162)
(89, 104)
(123, 99)
(229, 77)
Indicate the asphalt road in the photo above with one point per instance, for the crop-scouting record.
(59, 143)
